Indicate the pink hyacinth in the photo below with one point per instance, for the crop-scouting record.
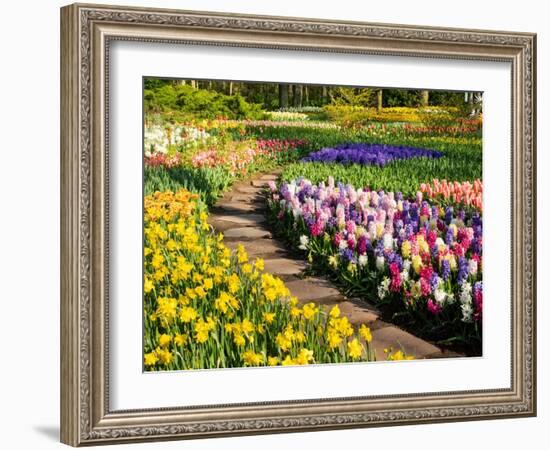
(433, 307)
(316, 229)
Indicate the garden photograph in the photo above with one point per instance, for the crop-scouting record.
(296, 224)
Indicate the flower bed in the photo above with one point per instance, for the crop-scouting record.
(162, 160)
(238, 157)
(235, 162)
(286, 123)
(287, 116)
(460, 193)
(206, 307)
(369, 154)
(422, 263)
(158, 139)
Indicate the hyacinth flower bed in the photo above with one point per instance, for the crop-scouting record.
(368, 154)
(208, 307)
(420, 262)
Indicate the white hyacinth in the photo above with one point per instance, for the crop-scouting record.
(380, 262)
(440, 296)
(472, 267)
(304, 241)
(388, 241)
(404, 275)
(343, 244)
(466, 293)
(383, 289)
(467, 312)
(363, 260)
(466, 302)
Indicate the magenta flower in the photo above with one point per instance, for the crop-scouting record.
(433, 307)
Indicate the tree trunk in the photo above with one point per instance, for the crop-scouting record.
(424, 98)
(283, 96)
(193, 84)
(471, 103)
(379, 100)
(325, 95)
(306, 95)
(298, 94)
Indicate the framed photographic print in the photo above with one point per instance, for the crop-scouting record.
(281, 224)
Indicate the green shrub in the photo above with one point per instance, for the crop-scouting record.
(183, 102)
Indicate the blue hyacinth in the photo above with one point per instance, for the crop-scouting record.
(368, 154)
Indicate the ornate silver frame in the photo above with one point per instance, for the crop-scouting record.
(86, 31)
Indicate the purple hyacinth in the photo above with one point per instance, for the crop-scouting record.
(445, 269)
(448, 214)
(348, 254)
(379, 249)
(434, 281)
(369, 154)
(393, 257)
(462, 269)
(449, 237)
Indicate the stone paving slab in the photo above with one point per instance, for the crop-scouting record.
(222, 226)
(237, 207)
(398, 339)
(247, 189)
(364, 304)
(260, 183)
(445, 353)
(315, 290)
(357, 314)
(269, 177)
(247, 198)
(246, 233)
(284, 266)
(246, 220)
(260, 247)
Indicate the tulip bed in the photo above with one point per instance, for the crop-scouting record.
(421, 262)
(206, 307)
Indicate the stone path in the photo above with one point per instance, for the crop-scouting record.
(240, 216)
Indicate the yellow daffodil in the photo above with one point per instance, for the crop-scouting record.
(164, 340)
(355, 349)
(365, 333)
(259, 264)
(150, 358)
(268, 317)
(252, 359)
(180, 339)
